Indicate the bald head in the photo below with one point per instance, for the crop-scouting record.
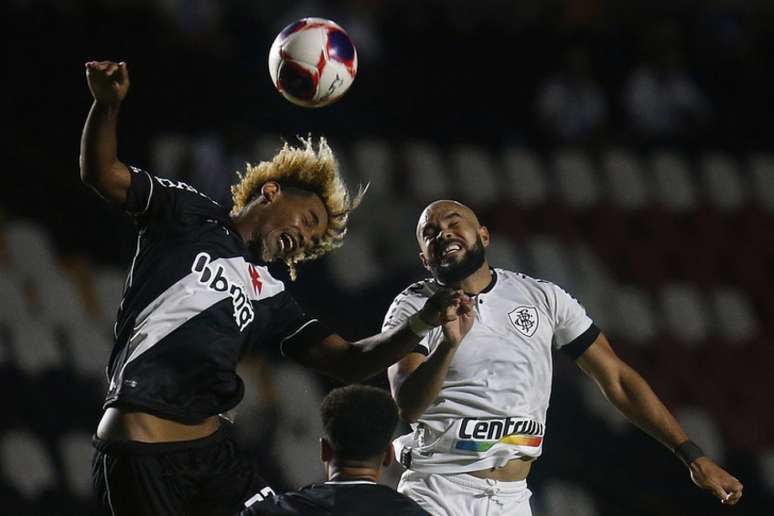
(452, 242)
(438, 211)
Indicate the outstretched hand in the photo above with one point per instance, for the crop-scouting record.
(711, 477)
(108, 81)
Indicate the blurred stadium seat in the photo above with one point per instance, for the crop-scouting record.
(683, 309)
(525, 178)
(723, 182)
(26, 464)
(426, 176)
(73, 447)
(576, 179)
(625, 179)
(298, 396)
(563, 498)
(475, 176)
(762, 167)
(674, 183)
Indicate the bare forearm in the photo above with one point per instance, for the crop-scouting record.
(420, 388)
(632, 395)
(98, 142)
(372, 355)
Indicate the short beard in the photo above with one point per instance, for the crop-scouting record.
(258, 252)
(455, 273)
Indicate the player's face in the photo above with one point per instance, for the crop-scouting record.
(294, 222)
(451, 241)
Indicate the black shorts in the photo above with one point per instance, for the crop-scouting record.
(203, 476)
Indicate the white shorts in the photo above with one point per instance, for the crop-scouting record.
(466, 495)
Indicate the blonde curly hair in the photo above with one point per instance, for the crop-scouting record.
(310, 169)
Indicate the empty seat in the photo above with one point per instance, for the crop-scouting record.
(674, 186)
(502, 253)
(354, 265)
(703, 429)
(109, 288)
(575, 177)
(89, 351)
(25, 463)
(525, 178)
(61, 302)
(762, 169)
(733, 314)
(426, 177)
(684, 311)
(548, 261)
(626, 182)
(298, 396)
(598, 405)
(75, 451)
(564, 499)
(35, 348)
(635, 314)
(373, 162)
(32, 252)
(13, 302)
(593, 286)
(475, 178)
(722, 181)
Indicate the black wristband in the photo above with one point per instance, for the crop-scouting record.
(688, 452)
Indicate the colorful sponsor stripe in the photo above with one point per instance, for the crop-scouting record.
(517, 440)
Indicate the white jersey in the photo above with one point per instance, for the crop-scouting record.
(493, 402)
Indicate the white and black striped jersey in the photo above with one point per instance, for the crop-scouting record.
(194, 303)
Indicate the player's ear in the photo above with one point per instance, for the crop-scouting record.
(326, 452)
(269, 191)
(389, 456)
(483, 232)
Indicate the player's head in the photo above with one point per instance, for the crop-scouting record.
(296, 206)
(451, 241)
(359, 421)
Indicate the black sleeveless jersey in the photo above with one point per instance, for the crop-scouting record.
(194, 303)
(345, 498)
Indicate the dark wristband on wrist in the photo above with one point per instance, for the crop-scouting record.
(688, 452)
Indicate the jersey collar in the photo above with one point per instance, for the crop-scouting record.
(489, 287)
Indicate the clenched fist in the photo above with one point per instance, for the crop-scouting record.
(108, 81)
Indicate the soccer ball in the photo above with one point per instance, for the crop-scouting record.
(312, 62)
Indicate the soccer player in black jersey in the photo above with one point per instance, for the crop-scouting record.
(359, 421)
(198, 297)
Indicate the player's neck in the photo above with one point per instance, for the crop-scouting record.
(477, 281)
(344, 472)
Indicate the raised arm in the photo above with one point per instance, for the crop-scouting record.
(632, 395)
(100, 167)
(356, 361)
(416, 380)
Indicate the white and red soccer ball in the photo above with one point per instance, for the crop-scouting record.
(312, 62)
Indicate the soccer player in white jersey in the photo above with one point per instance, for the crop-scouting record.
(477, 404)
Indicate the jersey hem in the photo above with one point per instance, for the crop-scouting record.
(162, 411)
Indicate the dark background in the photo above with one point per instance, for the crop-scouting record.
(452, 75)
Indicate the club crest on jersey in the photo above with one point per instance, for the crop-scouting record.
(218, 281)
(525, 319)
